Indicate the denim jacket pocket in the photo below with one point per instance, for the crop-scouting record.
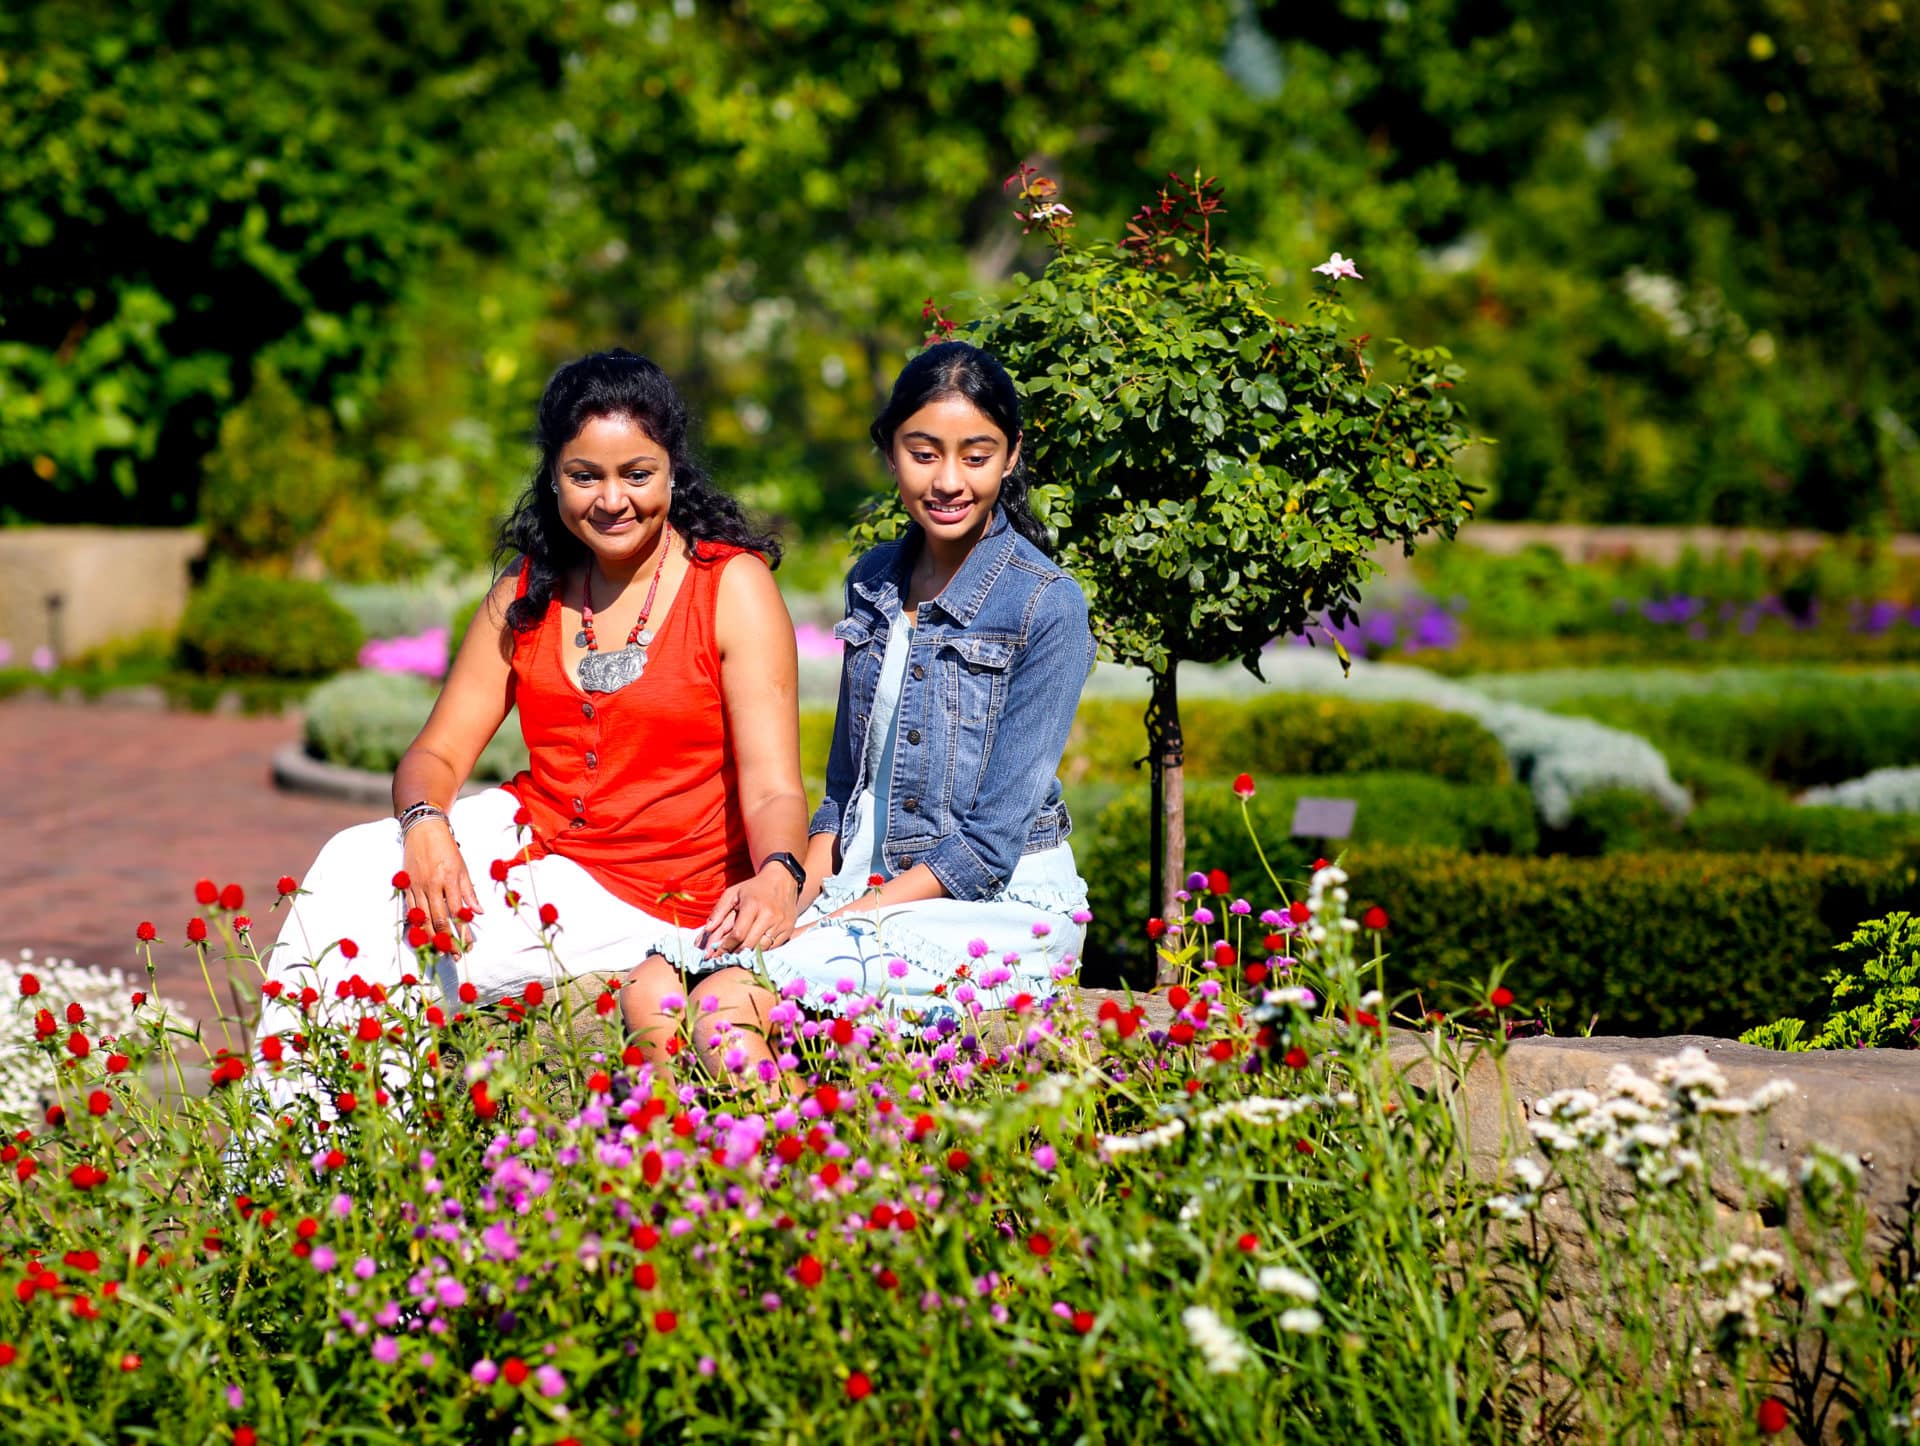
(978, 677)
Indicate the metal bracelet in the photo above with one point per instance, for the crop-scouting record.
(420, 813)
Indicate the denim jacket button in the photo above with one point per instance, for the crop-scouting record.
(912, 805)
(913, 735)
(903, 862)
(918, 672)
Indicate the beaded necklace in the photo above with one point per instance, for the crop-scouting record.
(609, 672)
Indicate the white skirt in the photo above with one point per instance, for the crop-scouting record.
(349, 895)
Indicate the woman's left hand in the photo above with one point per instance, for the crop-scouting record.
(758, 914)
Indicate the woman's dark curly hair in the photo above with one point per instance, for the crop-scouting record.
(610, 384)
(960, 369)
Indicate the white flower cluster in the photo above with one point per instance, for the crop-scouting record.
(1649, 1127)
(1327, 904)
(26, 1073)
(1285, 1280)
(1885, 790)
(1746, 1274)
(1253, 1110)
(1518, 1204)
(1220, 1347)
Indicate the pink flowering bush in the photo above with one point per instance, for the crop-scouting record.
(1239, 1216)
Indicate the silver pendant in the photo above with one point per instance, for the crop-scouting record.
(610, 672)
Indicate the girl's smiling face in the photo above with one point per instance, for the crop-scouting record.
(950, 460)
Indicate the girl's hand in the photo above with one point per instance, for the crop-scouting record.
(437, 879)
(758, 914)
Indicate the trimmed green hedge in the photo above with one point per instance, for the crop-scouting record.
(1268, 738)
(1797, 736)
(1290, 735)
(367, 719)
(1657, 943)
(243, 625)
(1617, 821)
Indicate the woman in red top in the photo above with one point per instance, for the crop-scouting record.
(640, 633)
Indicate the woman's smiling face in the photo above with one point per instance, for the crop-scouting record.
(615, 483)
(950, 460)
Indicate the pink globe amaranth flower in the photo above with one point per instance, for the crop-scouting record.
(485, 1372)
(977, 948)
(897, 968)
(386, 1350)
(1337, 267)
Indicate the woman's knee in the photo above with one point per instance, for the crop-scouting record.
(644, 993)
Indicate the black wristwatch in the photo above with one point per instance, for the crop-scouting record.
(791, 864)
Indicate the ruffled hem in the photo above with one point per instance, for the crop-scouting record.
(1047, 898)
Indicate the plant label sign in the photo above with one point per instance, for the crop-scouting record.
(1324, 817)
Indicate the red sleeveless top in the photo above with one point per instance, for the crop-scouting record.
(637, 786)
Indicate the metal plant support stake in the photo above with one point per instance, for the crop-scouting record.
(1167, 813)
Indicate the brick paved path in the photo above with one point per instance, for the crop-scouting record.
(109, 814)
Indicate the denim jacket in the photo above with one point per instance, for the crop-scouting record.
(993, 678)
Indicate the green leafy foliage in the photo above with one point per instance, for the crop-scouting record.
(1612, 821)
(1215, 474)
(1876, 995)
(248, 624)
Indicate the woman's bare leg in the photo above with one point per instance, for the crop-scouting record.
(649, 1024)
(737, 1019)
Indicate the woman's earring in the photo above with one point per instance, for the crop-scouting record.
(554, 483)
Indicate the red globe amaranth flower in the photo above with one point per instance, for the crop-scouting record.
(809, 1272)
(1256, 973)
(841, 1031)
(1225, 955)
(272, 1050)
(1156, 928)
(522, 817)
(1243, 785)
(443, 942)
(666, 1322)
(535, 994)
(497, 870)
(1771, 1418)
(468, 994)
(196, 931)
(1178, 997)
(1501, 997)
(146, 933)
(859, 1387)
(287, 885)
(85, 1176)
(245, 1435)
(1295, 1058)
(205, 892)
(98, 1103)
(29, 986)
(76, 1014)
(232, 897)
(345, 1102)
(349, 949)
(1374, 918)
(874, 881)
(130, 1362)
(515, 1370)
(645, 1276)
(1217, 882)
(417, 937)
(828, 1098)
(77, 1045)
(117, 1063)
(549, 916)
(1040, 1243)
(1299, 912)
(402, 881)
(242, 923)
(228, 1070)
(8, 1355)
(1248, 1243)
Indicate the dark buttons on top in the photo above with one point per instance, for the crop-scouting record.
(586, 710)
(579, 804)
(913, 735)
(593, 759)
(918, 672)
(578, 823)
(912, 805)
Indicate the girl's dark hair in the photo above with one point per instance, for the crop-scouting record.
(610, 384)
(960, 369)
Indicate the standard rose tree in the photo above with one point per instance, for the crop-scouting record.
(1217, 474)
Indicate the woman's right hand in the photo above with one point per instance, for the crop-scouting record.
(437, 880)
